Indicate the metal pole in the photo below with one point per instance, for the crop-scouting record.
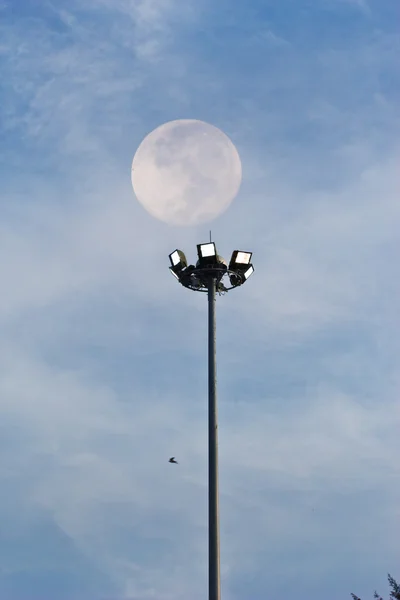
(214, 587)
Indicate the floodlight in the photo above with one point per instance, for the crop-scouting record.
(207, 251)
(178, 260)
(240, 260)
(173, 273)
(249, 272)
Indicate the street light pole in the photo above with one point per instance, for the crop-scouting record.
(212, 274)
(214, 585)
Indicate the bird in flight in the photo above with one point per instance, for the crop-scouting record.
(172, 460)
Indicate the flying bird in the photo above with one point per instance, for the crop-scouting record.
(172, 460)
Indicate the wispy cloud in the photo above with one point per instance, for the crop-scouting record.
(102, 356)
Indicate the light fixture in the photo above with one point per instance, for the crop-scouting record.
(249, 272)
(178, 260)
(240, 260)
(207, 252)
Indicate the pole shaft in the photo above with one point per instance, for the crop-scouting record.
(214, 591)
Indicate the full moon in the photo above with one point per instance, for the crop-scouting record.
(186, 172)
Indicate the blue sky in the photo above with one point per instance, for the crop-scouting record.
(102, 354)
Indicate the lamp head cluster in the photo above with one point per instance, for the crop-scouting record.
(210, 264)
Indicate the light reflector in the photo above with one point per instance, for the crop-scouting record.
(175, 258)
(207, 250)
(178, 259)
(240, 259)
(173, 273)
(249, 272)
(243, 258)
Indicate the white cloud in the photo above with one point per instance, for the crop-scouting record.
(102, 354)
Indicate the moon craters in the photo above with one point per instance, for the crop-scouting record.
(186, 172)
